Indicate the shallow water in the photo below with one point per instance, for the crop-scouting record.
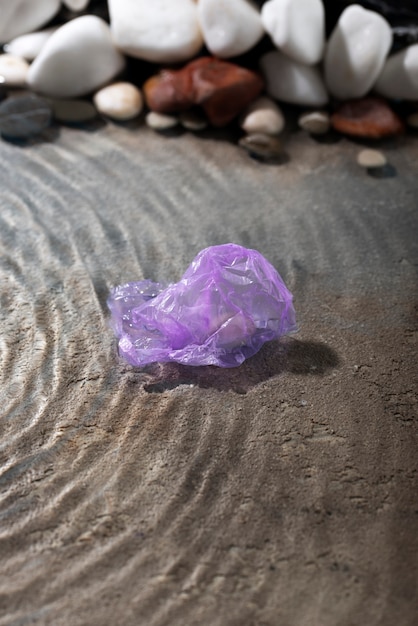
(282, 490)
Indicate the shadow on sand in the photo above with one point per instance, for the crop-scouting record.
(310, 358)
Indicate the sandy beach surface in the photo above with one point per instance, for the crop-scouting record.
(280, 493)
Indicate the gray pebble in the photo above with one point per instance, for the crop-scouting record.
(24, 116)
(262, 146)
(73, 111)
(315, 122)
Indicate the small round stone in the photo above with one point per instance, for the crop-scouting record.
(13, 70)
(412, 120)
(120, 101)
(263, 116)
(76, 5)
(193, 121)
(371, 159)
(24, 116)
(161, 122)
(73, 111)
(262, 146)
(315, 123)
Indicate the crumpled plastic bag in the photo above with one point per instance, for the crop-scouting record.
(228, 303)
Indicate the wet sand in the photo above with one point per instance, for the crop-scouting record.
(282, 492)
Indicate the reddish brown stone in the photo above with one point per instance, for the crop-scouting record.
(170, 91)
(369, 117)
(223, 89)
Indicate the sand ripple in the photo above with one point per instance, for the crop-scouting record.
(194, 495)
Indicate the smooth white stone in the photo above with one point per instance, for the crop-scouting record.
(76, 5)
(263, 116)
(399, 77)
(356, 52)
(229, 28)
(77, 59)
(297, 28)
(293, 82)
(120, 101)
(159, 121)
(371, 159)
(18, 17)
(315, 122)
(29, 46)
(156, 30)
(13, 70)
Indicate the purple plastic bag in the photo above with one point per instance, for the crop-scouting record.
(228, 303)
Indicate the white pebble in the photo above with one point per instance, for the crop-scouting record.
(263, 116)
(29, 46)
(159, 121)
(297, 27)
(315, 122)
(371, 158)
(120, 101)
(229, 28)
(76, 5)
(157, 30)
(77, 59)
(13, 70)
(356, 52)
(293, 82)
(24, 16)
(193, 121)
(399, 77)
(73, 111)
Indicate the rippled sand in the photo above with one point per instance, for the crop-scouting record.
(282, 492)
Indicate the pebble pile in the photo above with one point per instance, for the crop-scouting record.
(73, 60)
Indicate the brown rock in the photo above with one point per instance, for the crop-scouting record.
(368, 117)
(170, 91)
(223, 89)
